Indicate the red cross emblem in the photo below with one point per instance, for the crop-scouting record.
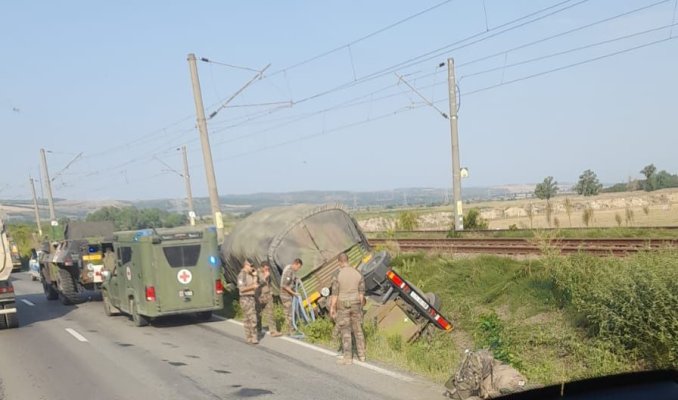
(184, 276)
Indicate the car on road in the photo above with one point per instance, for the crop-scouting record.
(161, 272)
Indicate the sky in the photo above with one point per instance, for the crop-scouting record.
(546, 88)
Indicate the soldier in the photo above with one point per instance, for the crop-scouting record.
(109, 260)
(247, 285)
(288, 281)
(346, 306)
(265, 301)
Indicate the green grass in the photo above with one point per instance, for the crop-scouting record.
(555, 319)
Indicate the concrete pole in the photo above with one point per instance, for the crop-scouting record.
(35, 207)
(187, 181)
(456, 168)
(48, 187)
(206, 150)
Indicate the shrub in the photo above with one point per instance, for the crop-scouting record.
(630, 303)
(473, 220)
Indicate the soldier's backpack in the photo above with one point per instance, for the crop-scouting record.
(471, 378)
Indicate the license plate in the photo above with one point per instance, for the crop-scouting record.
(186, 293)
(419, 300)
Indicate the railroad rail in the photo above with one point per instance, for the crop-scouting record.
(522, 246)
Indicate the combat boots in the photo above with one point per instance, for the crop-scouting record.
(345, 361)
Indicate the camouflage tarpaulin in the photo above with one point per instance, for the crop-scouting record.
(5, 257)
(315, 234)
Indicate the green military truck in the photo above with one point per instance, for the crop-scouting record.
(317, 235)
(160, 272)
(8, 317)
(74, 265)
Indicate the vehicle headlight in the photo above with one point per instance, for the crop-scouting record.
(325, 291)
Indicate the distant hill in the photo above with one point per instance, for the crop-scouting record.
(246, 203)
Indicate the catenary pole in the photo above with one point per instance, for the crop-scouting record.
(48, 187)
(456, 169)
(35, 207)
(206, 150)
(187, 182)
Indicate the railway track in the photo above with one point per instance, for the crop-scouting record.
(511, 246)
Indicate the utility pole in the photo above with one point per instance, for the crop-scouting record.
(187, 181)
(456, 169)
(48, 187)
(206, 150)
(35, 207)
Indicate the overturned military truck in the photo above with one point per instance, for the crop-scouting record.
(317, 235)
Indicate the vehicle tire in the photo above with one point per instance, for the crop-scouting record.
(374, 272)
(48, 288)
(139, 320)
(433, 300)
(12, 319)
(67, 290)
(204, 315)
(109, 309)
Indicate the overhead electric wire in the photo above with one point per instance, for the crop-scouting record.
(363, 38)
(383, 116)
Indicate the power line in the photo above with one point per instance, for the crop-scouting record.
(612, 54)
(363, 38)
(383, 116)
(572, 50)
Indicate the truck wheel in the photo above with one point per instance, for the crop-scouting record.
(374, 272)
(433, 300)
(139, 320)
(205, 315)
(12, 320)
(48, 288)
(109, 310)
(67, 293)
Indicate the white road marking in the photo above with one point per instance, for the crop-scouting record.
(76, 335)
(374, 368)
(28, 302)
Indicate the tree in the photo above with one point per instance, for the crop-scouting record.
(587, 215)
(546, 189)
(649, 172)
(568, 209)
(588, 184)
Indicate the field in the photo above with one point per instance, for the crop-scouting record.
(628, 209)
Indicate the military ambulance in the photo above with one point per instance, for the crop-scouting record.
(160, 272)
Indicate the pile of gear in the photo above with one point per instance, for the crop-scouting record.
(481, 376)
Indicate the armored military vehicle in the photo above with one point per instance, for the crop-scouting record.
(317, 235)
(16, 256)
(161, 272)
(74, 265)
(8, 317)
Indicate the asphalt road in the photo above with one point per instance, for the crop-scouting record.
(76, 352)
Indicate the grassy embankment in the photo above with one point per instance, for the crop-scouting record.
(557, 318)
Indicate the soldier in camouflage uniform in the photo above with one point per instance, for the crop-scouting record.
(288, 281)
(248, 283)
(346, 306)
(265, 301)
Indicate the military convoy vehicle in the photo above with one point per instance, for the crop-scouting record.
(318, 235)
(160, 272)
(8, 317)
(71, 266)
(16, 256)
